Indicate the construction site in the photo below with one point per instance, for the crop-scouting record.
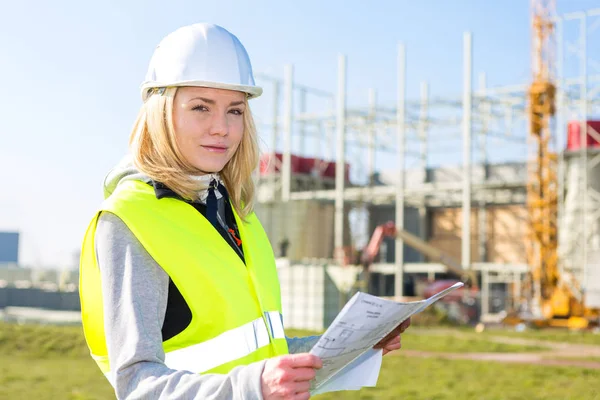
(350, 198)
(496, 186)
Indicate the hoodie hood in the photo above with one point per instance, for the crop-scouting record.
(125, 170)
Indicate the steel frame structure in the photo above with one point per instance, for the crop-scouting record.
(481, 116)
(577, 100)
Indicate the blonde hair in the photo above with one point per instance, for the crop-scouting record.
(155, 153)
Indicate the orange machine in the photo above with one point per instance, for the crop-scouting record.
(389, 230)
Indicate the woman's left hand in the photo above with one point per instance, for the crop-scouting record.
(392, 341)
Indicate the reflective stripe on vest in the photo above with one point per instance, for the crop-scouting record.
(236, 309)
(275, 323)
(228, 346)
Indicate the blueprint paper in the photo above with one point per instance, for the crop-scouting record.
(365, 369)
(363, 322)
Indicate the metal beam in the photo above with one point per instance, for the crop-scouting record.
(482, 211)
(302, 124)
(286, 167)
(340, 170)
(467, 127)
(371, 135)
(400, 138)
(584, 150)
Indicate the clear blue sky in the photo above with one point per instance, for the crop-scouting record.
(71, 72)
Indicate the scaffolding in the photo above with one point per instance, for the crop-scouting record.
(579, 194)
(482, 117)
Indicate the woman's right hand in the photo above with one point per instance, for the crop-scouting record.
(288, 377)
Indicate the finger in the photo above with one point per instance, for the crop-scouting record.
(404, 325)
(393, 341)
(390, 348)
(304, 374)
(401, 328)
(386, 351)
(305, 360)
(393, 346)
(302, 387)
(302, 396)
(386, 339)
(398, 330)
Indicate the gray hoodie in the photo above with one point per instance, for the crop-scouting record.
(135, 292)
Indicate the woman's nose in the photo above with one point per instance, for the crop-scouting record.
(219, 125)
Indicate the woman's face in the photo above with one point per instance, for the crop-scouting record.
(209, 125)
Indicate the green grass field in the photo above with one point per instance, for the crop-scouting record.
(415, 378)
(53, 363)
(550, 335)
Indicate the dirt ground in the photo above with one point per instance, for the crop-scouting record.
(555, 353)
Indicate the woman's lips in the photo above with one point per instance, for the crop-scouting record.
(215, 149)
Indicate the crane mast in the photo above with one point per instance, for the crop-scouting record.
(542, 185)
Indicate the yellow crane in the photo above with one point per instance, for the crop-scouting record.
(551, 300)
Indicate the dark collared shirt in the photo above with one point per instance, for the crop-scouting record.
(178, 315)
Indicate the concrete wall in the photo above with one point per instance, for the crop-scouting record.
(446, 232)
(38, 298)
(307, 224)
(49, 279)
(505, 230)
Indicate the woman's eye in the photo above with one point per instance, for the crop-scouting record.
(199, 108)
(236, 111)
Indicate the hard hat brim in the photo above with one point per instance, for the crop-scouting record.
(251, 91)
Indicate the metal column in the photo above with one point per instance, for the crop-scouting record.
(560, 129)
(423, 137)
(275, 136)
(584, 150)
(273, 160)
(482, 211)
(340, 170)
(286, 167)
(423, 127)
(485, 292)
(467, 127)
(400, 137)
(302, 124)
(371, 137)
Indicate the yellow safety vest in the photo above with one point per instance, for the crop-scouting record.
(236, 308)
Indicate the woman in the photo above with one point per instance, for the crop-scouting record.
(179, 292)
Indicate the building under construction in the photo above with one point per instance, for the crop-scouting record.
(501, 184)
(520, 207)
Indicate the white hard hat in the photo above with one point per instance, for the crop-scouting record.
(205, 55)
